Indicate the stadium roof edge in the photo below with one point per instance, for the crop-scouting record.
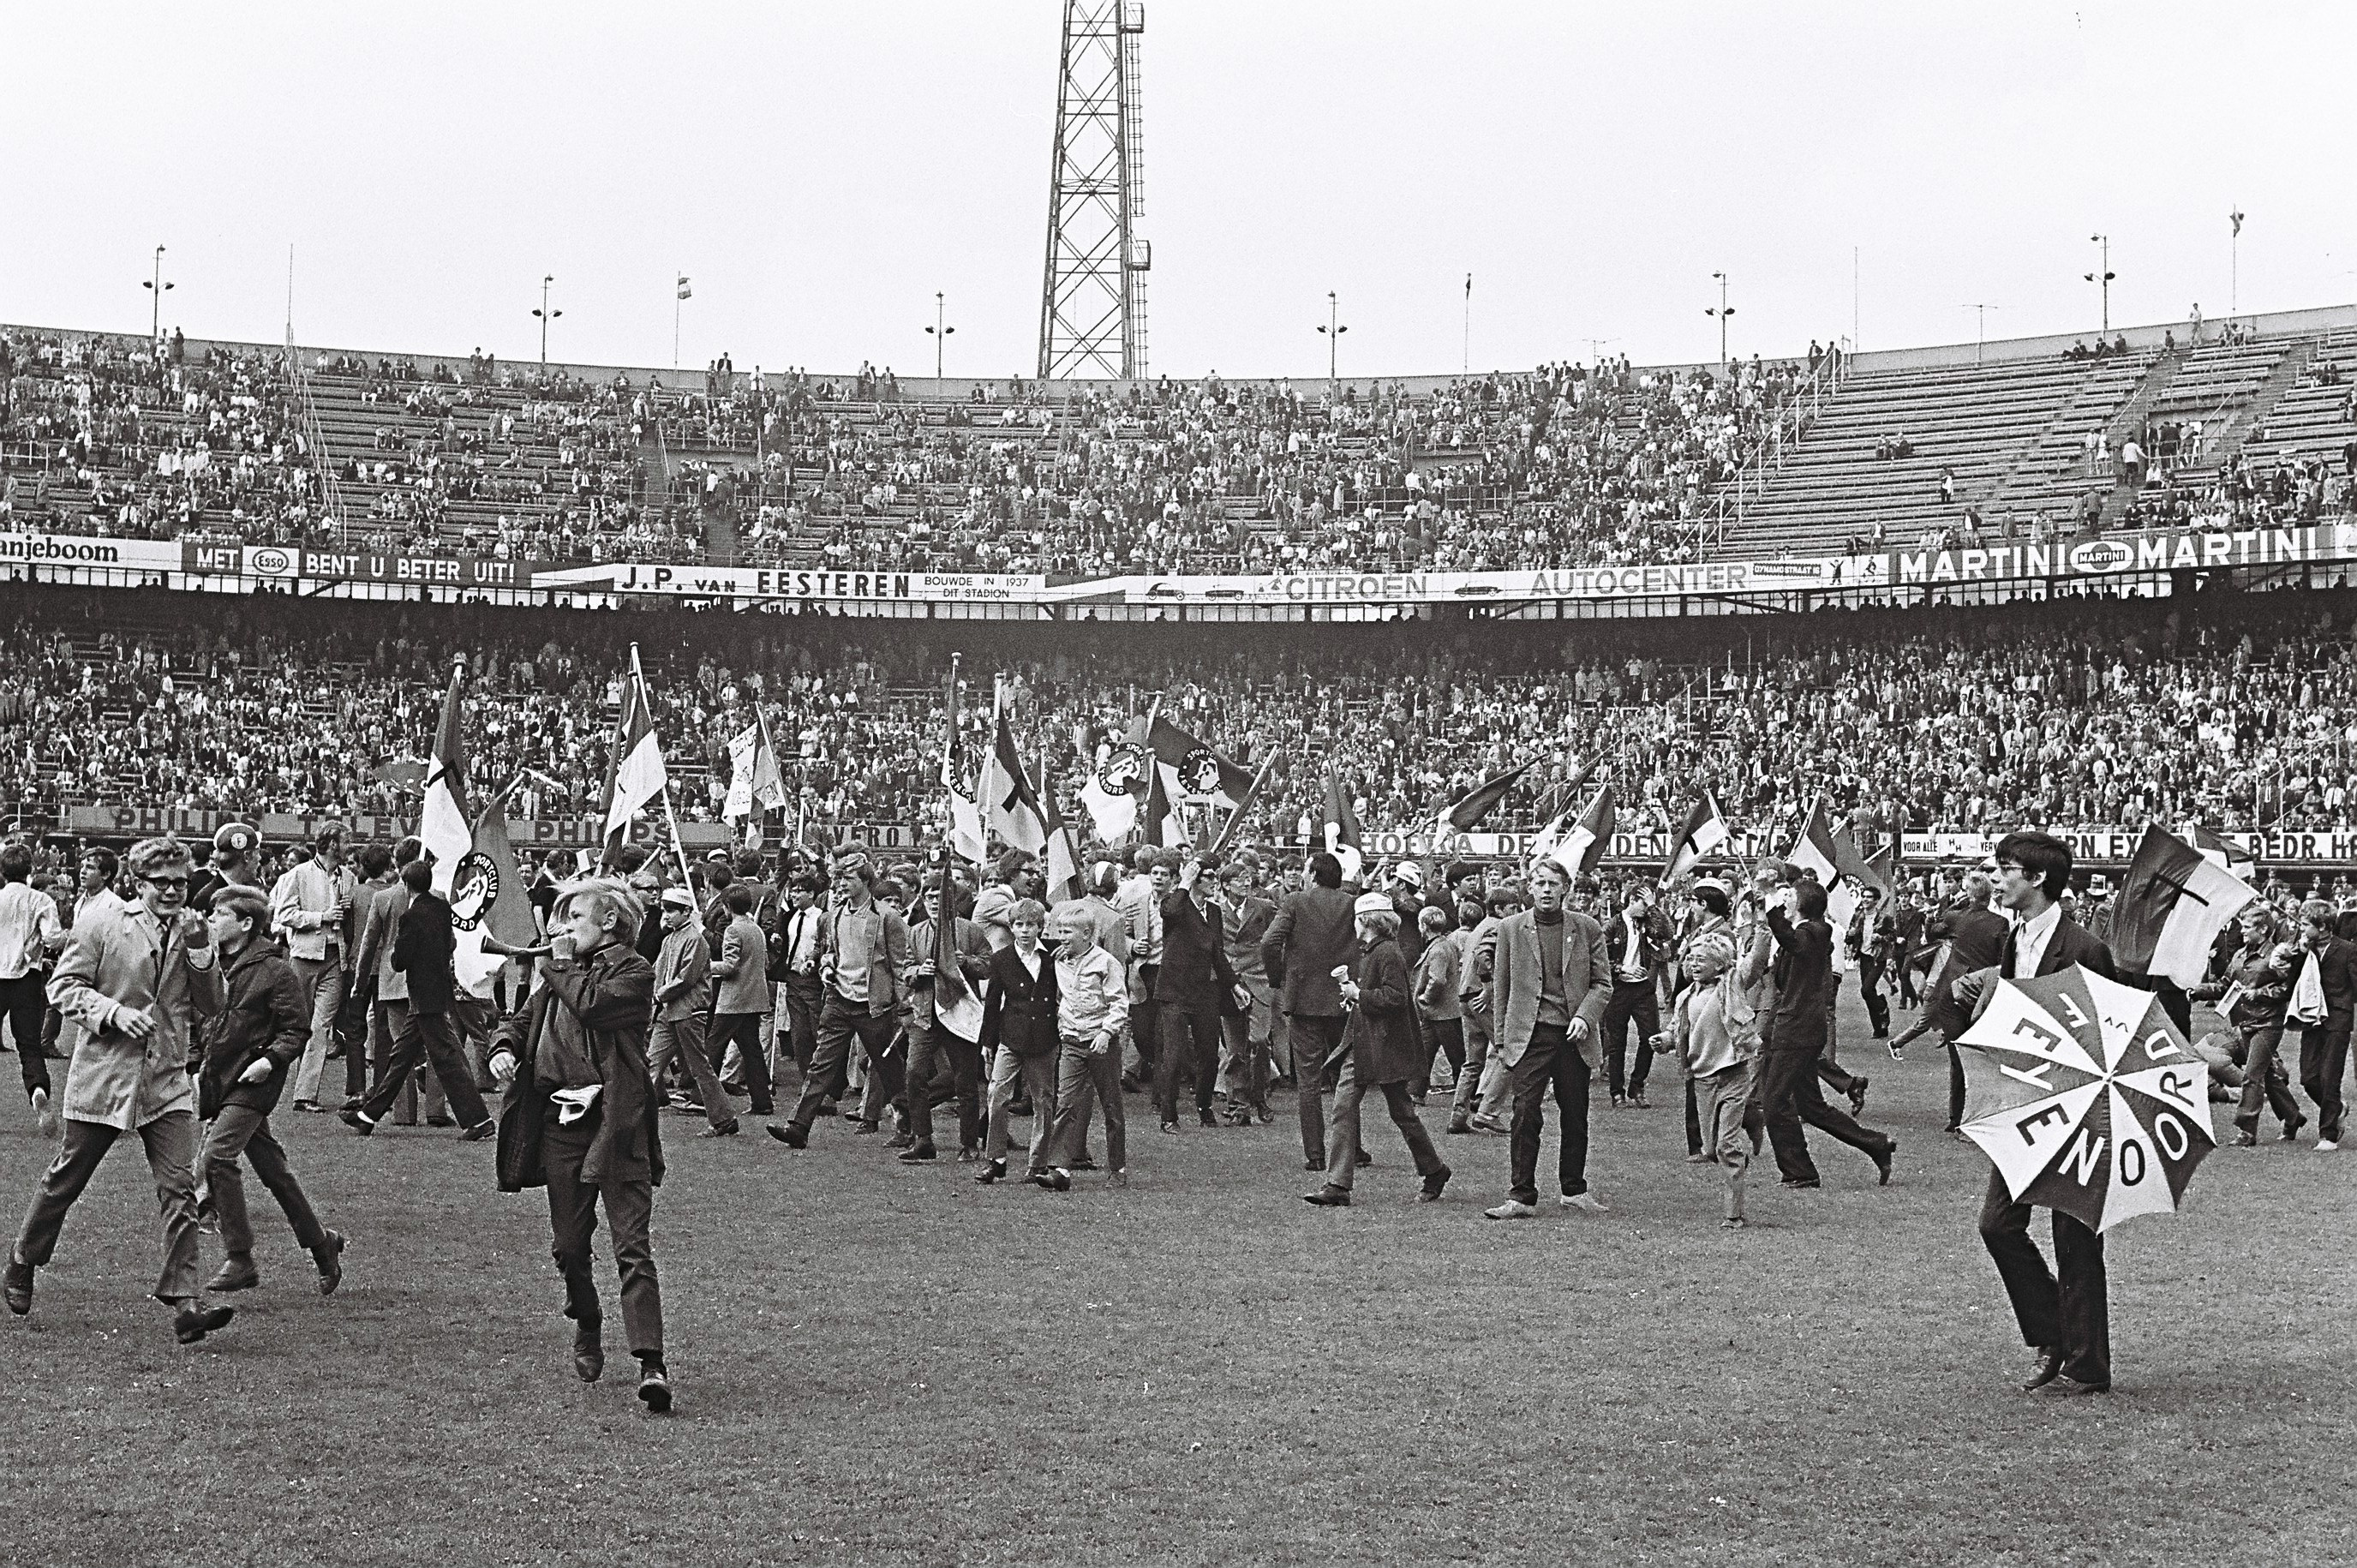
(2269, 324)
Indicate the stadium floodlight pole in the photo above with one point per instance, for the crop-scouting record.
(546, 316)
(2103, 279)
(155, 304)
(1723, 312)
(1333, 329)
(939, 332)
(1980, 334)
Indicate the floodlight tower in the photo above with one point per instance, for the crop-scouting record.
(1093, 300)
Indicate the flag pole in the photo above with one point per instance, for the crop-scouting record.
(671, 817)
(1237, 817)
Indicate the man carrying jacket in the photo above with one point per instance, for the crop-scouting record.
(259, 1033)
(580, 1118)
(1548, 982)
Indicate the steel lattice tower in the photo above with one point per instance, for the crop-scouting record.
(1093, 301)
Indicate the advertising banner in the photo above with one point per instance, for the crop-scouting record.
(290, 563)
(88, 550)
(2174, 550)
(277, 827)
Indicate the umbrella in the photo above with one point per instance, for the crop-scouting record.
(2085, 1097)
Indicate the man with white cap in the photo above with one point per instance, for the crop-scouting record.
(683, 993)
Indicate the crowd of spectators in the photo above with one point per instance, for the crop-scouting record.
(2241, 714)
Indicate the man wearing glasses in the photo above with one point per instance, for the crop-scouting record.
(136, 978)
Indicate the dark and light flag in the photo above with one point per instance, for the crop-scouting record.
(1704, 834)
(444, 825)
(1062, 860)
(639, 774)
(1197, 773)
(1465, 812)
(2173, 903)
(1583, 846)
(1011, 807)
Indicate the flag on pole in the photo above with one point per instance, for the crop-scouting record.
(2173, 903)
(965, 817)
(1581, 848)
(684, 291)
(1340, 832)
(1062, 860)
(1465, 812)
(1843, 871)
(1010, 806)
(1164, 826)
(488, 898)
(1236, 817)
(2221, 851)
(1704, 832)
(637, 775)
(445, 827)
(1197, 772)
(1112, 793)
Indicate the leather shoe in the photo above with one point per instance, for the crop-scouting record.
(1313, 1164)
(1083, 1164)
(441, 1121)
(328, 1258)
(2066, 1385)
(1882, 1163)
(995, 1171)
(1857, 1095)
(194, 1321)
(589, 1352)
(1170, 1129)
(920, 1155)
(1456, 1126)
(356, 1120)
(16, 1284)
(1430, 1191)
(478, 1132)
(1208, 1118)
(728, 1129)
(237, 1273)
(793, 1135)
(1328, 1197)
(1053, 1180)
(2049, 1367)
(654, 1388)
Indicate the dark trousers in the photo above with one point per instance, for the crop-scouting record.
(418, 1038)
(1911, 993)
(1248, 1062)
(1083, 1079)
(1191, 1040)
(1442, 1038)
(2265, 1082)
(1633, 1003)
(927, 1047)
(2073, 1316)
(1314, 1037)
(1550, 1063)
(1146, 1021)
(1791, 1097)
(573, 1220)
(685, 1036)
(245, 1130)
(1877, 1006)
(744, 1030)
(1342, 1138)
(1955, 1088)
(840, 1021)
(171, 1142)
(21, 1001)
(2323, 1057)
(804, 998)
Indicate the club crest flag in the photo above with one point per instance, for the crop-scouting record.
(1197, 772)
(1112, 792)
(443, 826)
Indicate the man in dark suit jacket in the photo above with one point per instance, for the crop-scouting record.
(1194, 987)
(2324, 1047)
(422, 951)
(2067, 1323)
(1974, 937)
(1313, 932)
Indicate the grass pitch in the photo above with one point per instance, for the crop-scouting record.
(889, 1365)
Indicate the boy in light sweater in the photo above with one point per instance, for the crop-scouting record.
(1091, 1005)
(1715, 1037)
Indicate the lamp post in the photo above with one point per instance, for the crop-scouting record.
(1333, 329)
(155, 301)
(2102, 278)
(1723, 312)
(939, 333)
(1980, 332)
(546, 316)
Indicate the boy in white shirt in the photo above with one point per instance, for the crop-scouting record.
(1091, 1005)
(1715, 1035)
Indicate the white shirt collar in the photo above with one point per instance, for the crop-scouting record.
(2030, 938)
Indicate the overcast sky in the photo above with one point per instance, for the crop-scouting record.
(820, 171)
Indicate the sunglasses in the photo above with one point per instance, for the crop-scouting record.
(166, 881)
